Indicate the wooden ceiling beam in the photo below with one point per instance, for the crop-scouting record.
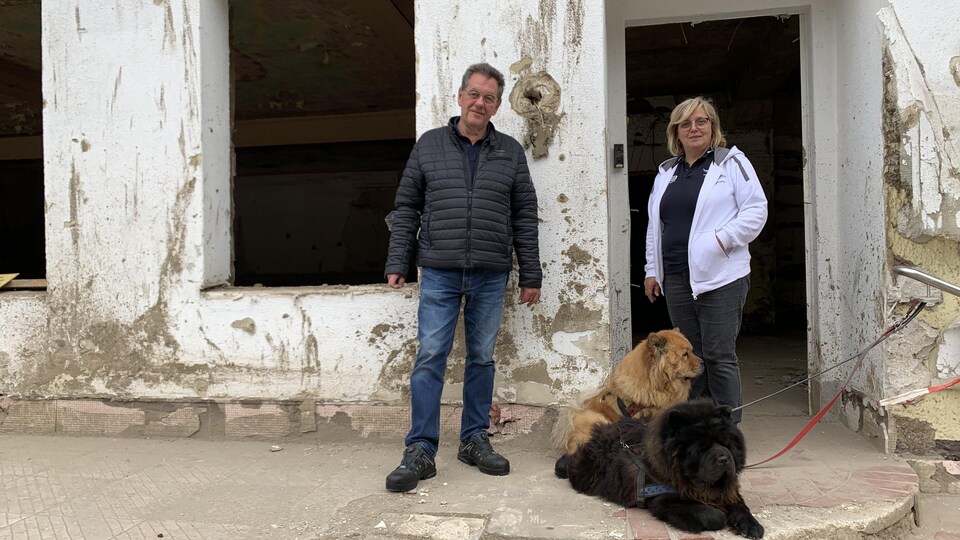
(374, 126)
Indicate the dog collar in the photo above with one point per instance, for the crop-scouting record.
(628, 410)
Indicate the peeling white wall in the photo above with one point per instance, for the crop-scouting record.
(136, 139)
(137, 165)
(922, 50)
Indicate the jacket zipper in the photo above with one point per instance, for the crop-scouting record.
(466, 167)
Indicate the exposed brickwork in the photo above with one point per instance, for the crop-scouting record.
(92, 417)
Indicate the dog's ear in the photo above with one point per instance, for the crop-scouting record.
(656, 344)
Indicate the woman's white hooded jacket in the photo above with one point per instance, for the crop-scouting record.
(731, 208)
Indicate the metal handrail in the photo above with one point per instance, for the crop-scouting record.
(927, 279)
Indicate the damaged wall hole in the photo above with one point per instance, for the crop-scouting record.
(536, 98)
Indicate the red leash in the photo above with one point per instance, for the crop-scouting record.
(915, 308)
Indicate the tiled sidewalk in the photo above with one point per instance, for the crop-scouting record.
(100, 488)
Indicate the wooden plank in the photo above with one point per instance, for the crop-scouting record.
(6, 278)
(27, 284)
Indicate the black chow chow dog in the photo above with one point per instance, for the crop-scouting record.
(683, 466)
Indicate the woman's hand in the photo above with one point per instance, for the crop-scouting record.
(651, 289)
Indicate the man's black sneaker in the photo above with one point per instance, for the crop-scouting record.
(477, 451)
(415, 466)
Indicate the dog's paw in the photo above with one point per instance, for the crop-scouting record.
(711, 519)
(560, 468)
(748, 526)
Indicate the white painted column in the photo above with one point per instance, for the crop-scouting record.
(129, 187)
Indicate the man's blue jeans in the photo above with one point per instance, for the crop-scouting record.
(441, 292)
(711, 323)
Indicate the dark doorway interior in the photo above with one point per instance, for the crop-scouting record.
(751, 69)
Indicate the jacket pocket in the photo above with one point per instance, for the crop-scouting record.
(706, 258)
(425, 230)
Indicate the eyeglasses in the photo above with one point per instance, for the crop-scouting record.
(699, 122)
(488, 99)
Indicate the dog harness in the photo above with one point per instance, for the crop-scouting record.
(645, 491)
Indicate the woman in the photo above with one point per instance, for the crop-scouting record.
(705, 207)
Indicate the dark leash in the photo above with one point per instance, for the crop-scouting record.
(916, 307)
(643, 491)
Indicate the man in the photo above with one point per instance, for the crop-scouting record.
(466, 200)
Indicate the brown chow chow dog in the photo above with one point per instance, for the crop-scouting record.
(683, 466)
(657, 373)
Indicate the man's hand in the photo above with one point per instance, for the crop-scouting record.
(529, 296)
(651, 289)
(395, 281)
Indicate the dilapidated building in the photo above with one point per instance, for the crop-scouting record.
(193, 194)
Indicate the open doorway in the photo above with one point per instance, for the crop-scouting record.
(750, 68)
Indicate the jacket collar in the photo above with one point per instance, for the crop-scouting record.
(491, 131)
(720, 155)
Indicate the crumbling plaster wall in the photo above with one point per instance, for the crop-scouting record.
(922, 189)
(564, 344)
(136, 139)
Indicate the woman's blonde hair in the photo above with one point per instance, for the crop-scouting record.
(682, 112)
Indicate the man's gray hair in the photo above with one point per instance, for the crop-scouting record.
(486, 69)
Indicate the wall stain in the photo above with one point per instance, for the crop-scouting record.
(247, 325)
(311, 358)
(74, 205)
(536, 372)
(521, 65)
(537, 31)
(573, 27)
(445, 82)
(169, 34)
(80, 29)
(577, 258)
(506, 351)
(395, 374)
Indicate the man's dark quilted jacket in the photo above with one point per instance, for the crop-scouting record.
(466, 222)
